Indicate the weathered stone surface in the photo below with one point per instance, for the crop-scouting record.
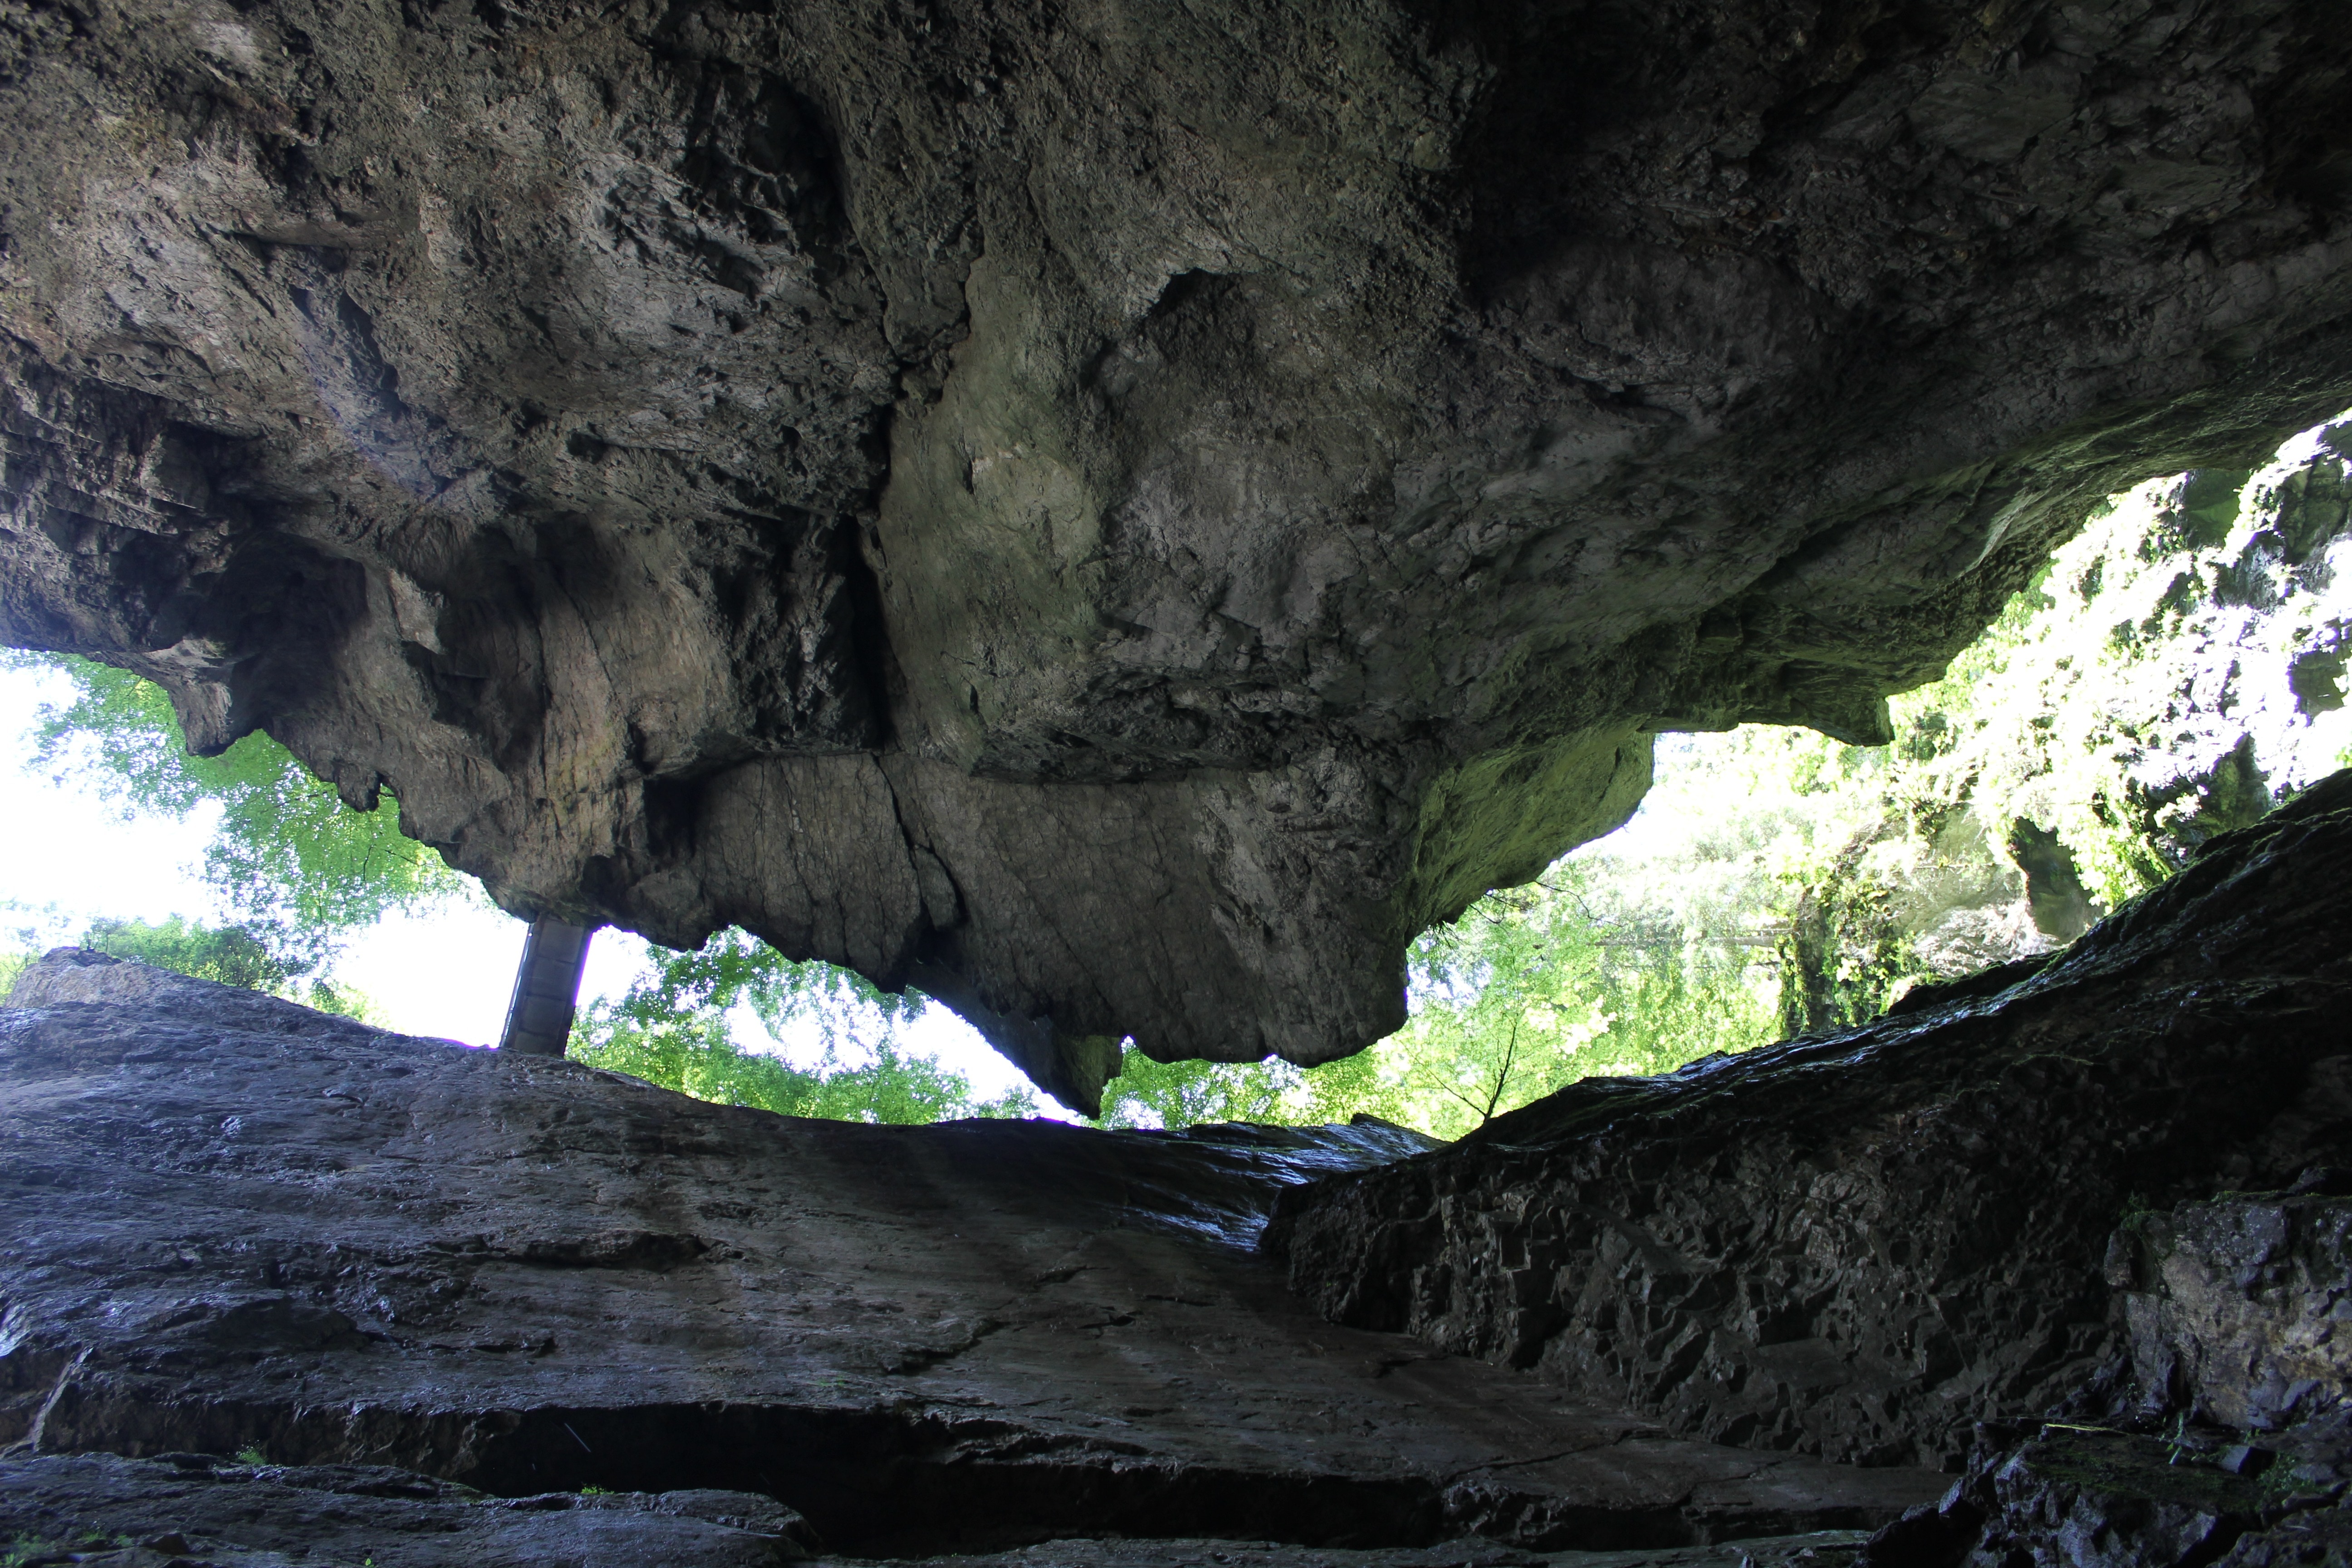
(2218, 1431)
(142, 1513)
(227, 1222)
(2099, 1499)
(2240, 1310)
(191, 1506)
(1116, 514)
(1824, 1549)
(1860, 1243)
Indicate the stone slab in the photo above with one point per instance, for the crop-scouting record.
(229, 1222)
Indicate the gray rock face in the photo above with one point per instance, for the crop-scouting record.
(246, 1516)
(229, 1222)
(1115, 515)
(1862, 1244)
(113, 1512)
(2240, 1310)
(2221, 1432)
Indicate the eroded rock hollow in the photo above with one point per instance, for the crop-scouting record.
(1116, 514)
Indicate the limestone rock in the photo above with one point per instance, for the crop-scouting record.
(219, 1512)
(112, 1512)
(1860, 1244)
(2220, 1432)
(2217, 1431)
(228, 1223)
(2077, 1499)
(2241, 1315)
(1118, 515)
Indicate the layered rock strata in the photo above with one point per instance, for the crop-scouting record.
(1117, 515)
(230, 1224)
(1862, 1244)
(109, 1512)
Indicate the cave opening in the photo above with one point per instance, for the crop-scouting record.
(1183, 534)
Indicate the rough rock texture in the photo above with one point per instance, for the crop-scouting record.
(2220, 1434)
(142, 1513)
(227, 1221)
(1860, 1243)
(1117, 514)
(189, 1506)
(2240, 1310)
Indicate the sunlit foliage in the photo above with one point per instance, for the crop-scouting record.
(228, 955)
(297, 868)
(677, 1026)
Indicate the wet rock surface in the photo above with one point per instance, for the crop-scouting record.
(230, 1224)
(1863, 1244)
(2223, 1433)
(2240, 1310)
(193, 1508)
(1118, 515)
(142, 1513)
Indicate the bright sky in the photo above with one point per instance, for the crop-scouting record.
(74, 859)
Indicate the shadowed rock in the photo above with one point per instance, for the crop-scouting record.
(1860, 1244)
(228, 1223)
(112, 1512)
(1118, 516)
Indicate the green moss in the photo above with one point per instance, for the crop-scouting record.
(2129, 1465)
(1497, 820)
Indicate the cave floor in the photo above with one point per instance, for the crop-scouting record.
(237, 1226)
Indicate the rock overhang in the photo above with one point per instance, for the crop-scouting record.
(1117, 518)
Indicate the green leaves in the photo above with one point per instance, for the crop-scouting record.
(676, 1027)
(229, 956)
(1146, 1093)
(735, 971)
(298, 869)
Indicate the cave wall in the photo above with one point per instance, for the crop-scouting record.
(230, 1225)
(1119, 515)
(1865, 1242)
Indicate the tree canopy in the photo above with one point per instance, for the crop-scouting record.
(677, 1026)
(297, 869)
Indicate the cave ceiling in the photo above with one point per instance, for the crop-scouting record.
(1116, 514)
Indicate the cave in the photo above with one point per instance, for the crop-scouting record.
(1119, 517)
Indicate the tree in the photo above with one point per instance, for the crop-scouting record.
(1149, 1093)
(229, 956)
(676, 1025)
(298, 869)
